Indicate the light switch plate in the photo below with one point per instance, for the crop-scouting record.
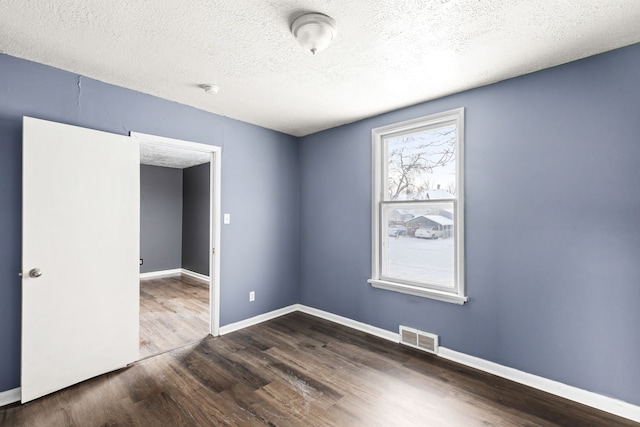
(227, 219)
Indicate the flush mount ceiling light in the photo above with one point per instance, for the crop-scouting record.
(314, 31)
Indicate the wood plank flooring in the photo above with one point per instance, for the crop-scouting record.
(298, 370)
(174, 311)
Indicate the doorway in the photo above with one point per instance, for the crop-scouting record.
(179, 234)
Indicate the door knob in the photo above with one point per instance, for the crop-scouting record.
(35, 272)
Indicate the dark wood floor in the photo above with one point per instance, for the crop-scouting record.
(174, 311)
(298, 370)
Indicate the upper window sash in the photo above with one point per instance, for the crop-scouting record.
(427, 150)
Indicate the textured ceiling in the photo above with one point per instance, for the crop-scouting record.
(387, 54)
(169, 157)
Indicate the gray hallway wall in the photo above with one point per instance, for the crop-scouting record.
(160, 218)
(195, 219)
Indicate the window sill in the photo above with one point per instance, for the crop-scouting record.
(418, 291)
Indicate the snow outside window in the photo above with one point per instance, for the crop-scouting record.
(418, 207)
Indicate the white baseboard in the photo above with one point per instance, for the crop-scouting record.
(10, 396)
(594, 400)
(195, 275)
(598, 401)
(353, 324)
(161, 273)
(231, 327)
(174, 272)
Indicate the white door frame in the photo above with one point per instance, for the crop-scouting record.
(214, 215)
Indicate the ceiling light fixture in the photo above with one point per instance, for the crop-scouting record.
(314, 31)
(210, 89)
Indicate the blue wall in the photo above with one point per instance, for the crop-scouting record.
(552, 225)
(259, 187)
(551, 214)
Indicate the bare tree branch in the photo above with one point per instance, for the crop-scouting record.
(411, 160)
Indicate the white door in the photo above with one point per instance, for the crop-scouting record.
(80, 230)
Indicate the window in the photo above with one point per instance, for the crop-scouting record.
(418, 207)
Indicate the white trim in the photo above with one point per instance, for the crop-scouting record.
(419, 291)
(594, 400)
(215, 210)
(10, 396)
(174, 272)
(215, 199)
(379, 160)
(353, 324)
(232, 327)
(195, 275)
(161, 273)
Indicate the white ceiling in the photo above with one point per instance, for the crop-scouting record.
(170, 157)
(387, 54)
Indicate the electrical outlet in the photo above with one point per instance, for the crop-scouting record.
(252, 296)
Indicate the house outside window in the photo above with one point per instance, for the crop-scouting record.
(418, 207)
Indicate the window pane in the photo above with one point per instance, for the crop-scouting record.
(422, 165)
(419, 243)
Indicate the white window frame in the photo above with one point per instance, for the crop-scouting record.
(457, 294)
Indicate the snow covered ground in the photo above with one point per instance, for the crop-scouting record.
(422, 260)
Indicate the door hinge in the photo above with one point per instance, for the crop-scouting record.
(213, 251)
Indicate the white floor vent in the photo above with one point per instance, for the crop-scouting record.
(418, 339)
